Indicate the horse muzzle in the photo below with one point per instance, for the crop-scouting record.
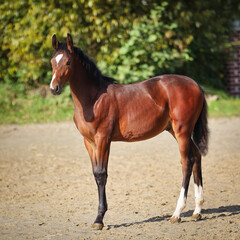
(57, 90)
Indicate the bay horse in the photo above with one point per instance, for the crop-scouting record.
(106, 111)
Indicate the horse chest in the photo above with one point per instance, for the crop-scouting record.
(86, 129)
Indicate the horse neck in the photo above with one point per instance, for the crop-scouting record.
(83, 90)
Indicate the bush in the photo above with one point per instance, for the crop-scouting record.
(153, 47)
(131, 40)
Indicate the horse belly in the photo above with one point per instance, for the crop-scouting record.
(142, 123)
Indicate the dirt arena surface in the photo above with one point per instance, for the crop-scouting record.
(47, 190)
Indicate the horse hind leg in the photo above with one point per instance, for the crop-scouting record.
(183, 137)
(198, 186)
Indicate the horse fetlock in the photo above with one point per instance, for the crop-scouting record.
(102, 210)
(199, 202)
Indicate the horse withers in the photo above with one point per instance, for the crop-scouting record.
(106, 111)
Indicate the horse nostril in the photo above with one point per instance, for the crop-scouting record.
(57, 89)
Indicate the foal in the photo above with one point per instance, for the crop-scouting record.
(106, 111)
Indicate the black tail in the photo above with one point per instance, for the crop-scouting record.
(200, 132)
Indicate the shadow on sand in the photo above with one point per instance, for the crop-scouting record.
(223, 211)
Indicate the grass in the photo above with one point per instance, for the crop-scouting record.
(225, 106)
(21, 106)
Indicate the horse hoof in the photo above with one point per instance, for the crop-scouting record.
(175, 220)
(196, 217)
(97, 226)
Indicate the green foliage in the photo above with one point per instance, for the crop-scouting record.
(224, 108)
(27, 28)
(131, 40)
(211, 25)
(153, 47)
(20, 107)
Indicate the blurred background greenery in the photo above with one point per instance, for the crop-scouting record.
(129, 40)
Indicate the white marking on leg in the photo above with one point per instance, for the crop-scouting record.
(198, 199)
(58, 58)
(180, 204)
(53, 77)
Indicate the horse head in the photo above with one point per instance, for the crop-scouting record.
(62, 63)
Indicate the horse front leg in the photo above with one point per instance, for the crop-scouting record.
(99, 153)
(100, 175)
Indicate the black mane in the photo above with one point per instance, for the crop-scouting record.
(91, 68)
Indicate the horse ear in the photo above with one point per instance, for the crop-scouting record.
(69, 43)
(54, 41)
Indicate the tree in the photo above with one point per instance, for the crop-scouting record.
(131, 40)
(27, 28)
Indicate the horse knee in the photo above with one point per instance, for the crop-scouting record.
(100, 176)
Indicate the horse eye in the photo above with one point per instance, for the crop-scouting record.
(68, 63)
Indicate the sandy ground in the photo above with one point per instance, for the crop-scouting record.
(47, 190)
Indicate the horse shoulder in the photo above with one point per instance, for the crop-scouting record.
(104, 113)
(89, 118)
